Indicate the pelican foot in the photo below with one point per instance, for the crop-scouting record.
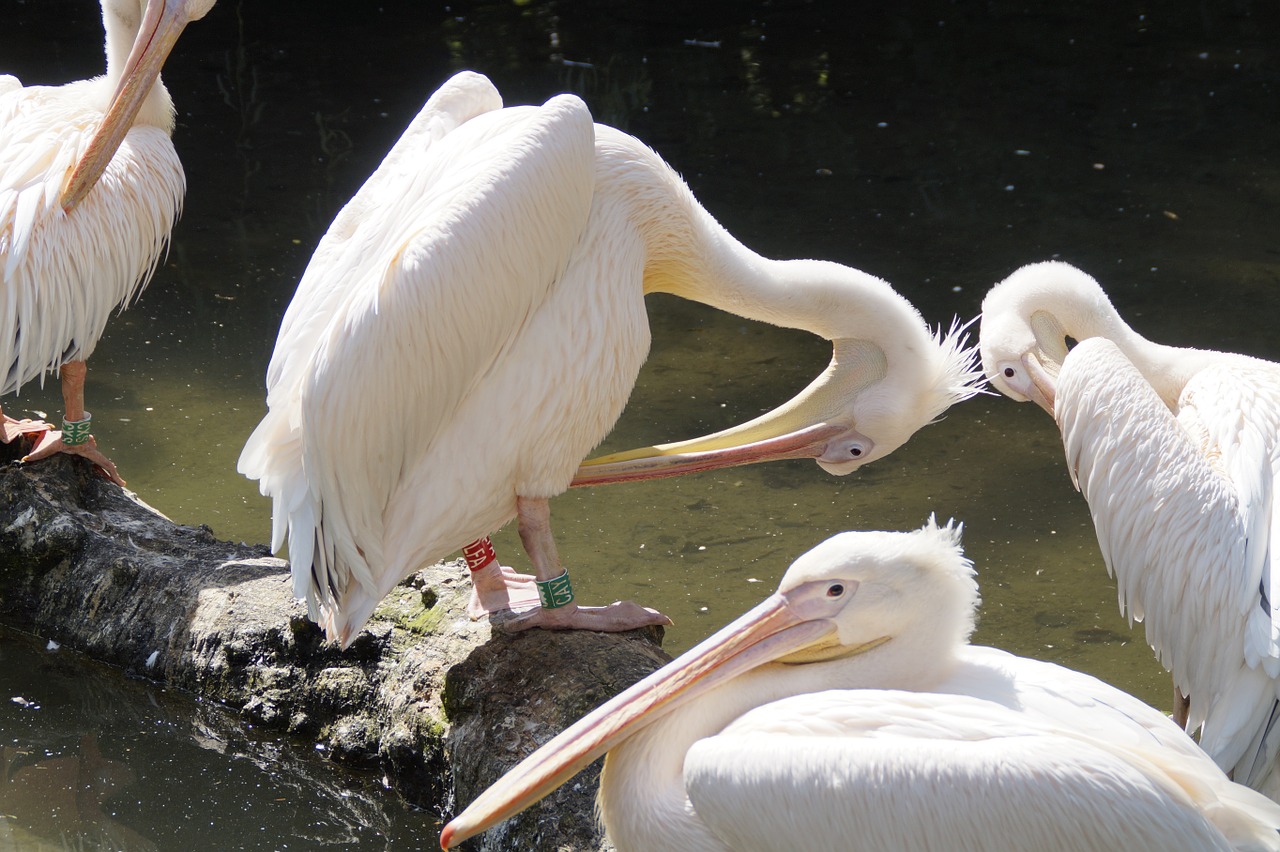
(11, 429)
(51, 442)
(497, 588)
(614, 618)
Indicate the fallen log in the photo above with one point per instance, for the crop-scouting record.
(438, 704)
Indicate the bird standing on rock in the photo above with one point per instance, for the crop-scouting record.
(482, 295)
(90, 187)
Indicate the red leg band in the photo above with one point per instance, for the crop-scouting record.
(479, 553)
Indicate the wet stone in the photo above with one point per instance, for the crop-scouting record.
(424, 697)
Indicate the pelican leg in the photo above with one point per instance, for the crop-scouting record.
(73, 373)
(534, 518)
(494, 586)
(1181, 707)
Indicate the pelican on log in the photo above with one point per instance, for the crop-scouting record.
(472, 324)
(90, 187)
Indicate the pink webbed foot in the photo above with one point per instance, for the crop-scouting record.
(497, 588)
(11, 428)
(614, 618)
(51, 442)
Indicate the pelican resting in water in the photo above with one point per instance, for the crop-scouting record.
(90, 187)
(482, 296)
(1176, 451)
(848, 711)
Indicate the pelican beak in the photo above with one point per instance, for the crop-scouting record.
(771, 631)
(815, 424)
(1044, 387)
(162, 23)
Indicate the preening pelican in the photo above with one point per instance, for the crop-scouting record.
(1176, 451)
(482, 297)
(90, 187)
(848, 711)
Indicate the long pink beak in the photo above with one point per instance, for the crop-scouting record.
(161, 25)
(770, 631)
(664, 460)
(1044, 389)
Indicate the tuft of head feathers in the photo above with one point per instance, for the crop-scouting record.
(960, 375)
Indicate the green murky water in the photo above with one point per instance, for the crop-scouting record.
(938, 147)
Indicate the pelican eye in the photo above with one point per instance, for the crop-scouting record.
(1009, 372)
(855, 451)
(835, 590)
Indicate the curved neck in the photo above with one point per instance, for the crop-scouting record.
(121, 19)
(690, 254)
(1072, 307)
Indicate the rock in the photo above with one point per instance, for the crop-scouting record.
(424, 695)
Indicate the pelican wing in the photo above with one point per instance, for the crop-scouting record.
(439, 273)
(62, 275)
(361, 221)
(889, 770)
(1231, 411)
(273, 453)
(1182, 509)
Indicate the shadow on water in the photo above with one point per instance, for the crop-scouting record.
(938, 145)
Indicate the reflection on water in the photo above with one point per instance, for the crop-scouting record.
(51, 793)
(92, 760)
(938, 145)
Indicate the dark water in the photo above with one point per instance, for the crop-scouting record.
(938, 145)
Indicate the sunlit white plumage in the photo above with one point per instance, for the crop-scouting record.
(472, 324)
(90, 187)
(849, 712)
(1176, 451)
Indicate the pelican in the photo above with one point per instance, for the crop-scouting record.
(1176, 451)
(470, 328)
(90, 187)
(848, 711)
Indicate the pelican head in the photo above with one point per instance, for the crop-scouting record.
(889, 377)
(874, 587)
(157, 25)
(858, 605)
(1027, 320)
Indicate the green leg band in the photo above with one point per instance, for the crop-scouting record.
(76, 432)
(555, 592)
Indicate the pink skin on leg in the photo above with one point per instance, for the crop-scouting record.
(495, 587)
(50, 442)
(534, 518)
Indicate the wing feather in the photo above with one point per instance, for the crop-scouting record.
(436, 275)
(273, 453)
(1183, 509)
(63, 275)
(895, 770)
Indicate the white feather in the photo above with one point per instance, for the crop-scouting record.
(1176, 452)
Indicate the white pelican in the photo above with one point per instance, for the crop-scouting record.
(848, 711)
(482, 299)
(90, 187)
(1176, 451)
